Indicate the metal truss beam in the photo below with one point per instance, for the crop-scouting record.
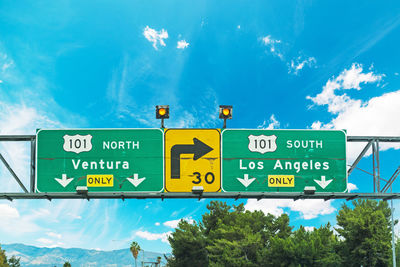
(354, 165)
(372, 142)
(24, 138)
(236, 196)
(17, 137)
(391, 180)
(389, 139)
(13, 173)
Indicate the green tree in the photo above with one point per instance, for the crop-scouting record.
(135, 248)
(232, 236)
(226, 236)
(14, 262)
(3, 258)
(67, 264)
(236, 237)
(188, 246)
(304, 248)
(366, 232)
(397, 245)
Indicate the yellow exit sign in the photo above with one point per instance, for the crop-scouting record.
(192, 158)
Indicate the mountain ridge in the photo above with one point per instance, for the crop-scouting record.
(32, 256)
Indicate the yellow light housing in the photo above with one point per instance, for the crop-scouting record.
(225, 112)
(162, 112)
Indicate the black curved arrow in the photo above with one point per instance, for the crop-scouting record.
(198, 149)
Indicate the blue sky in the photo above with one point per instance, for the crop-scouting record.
(106, 64)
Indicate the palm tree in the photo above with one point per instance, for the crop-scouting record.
(135, 248)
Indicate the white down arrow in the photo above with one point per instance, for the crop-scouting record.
(245, 180)
(323, 183)
(64, 181)
(136, 180)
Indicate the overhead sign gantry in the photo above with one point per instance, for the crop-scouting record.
(195, 163)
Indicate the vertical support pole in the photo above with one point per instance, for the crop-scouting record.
(224, 123)
(378, 178)
(162, 123)
(33, 165)
(393, 243)
(373, 163)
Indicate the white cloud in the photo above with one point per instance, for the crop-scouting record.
(175, 213)
(351, 187)
(5, 62)
(8, 212)
(74, 216)
(21, 119)
(299, 63)
(273, 123)
(273, 207)
(6, 66)
(309, 228)
(52, 234)
(311, 208)
(308, 208)
(153, 236)
(48, 242)
(44, 241)
(273, 45)
(375, 116)
(155, 37)
(41, 212)
(182, 44)
(279, 49)
(12, 222)
(174, 223)
(157, 224)
(348, 79)
(238, 26)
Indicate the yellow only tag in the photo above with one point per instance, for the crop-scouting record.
(280, 180)
(100, 180)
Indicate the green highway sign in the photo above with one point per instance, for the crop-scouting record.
(103, 160)
(283, 160)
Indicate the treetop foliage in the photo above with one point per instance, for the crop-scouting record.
(12, 262)
(366, 230)
(232, 236)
